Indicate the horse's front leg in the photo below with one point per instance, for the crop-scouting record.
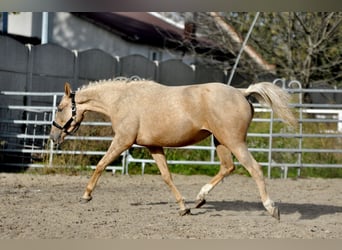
(112, 153)
(159, 156)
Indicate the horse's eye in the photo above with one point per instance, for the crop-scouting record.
(59, 109)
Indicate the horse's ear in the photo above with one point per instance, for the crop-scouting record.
(67, 89)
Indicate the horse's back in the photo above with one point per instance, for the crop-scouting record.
(188, 99)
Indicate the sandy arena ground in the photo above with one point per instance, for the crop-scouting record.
(142, 207)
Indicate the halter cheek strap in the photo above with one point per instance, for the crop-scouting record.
(66, 125)
(72, 118)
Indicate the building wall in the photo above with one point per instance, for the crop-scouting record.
(74, 33)
(25, 23)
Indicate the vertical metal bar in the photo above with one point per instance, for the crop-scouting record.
(44, 127)
(300, 130)
(45, 27)
(242, 49)
(212, 150)
(123, 162)
(76, 66)
(300, 137)
(339, 121)
(34, 131)
(4, 23)
(26, 145)
(54, 104)
(126, 162)
(270, 146)
(142, 168)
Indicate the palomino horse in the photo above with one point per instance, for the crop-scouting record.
(156, 116)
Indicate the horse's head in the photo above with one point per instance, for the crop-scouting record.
(68, 118)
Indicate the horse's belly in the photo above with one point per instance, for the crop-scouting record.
(173, 139)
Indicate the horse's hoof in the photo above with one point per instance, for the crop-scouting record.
(85, 200)
(184, 212)
(276, 213)
(200, 203)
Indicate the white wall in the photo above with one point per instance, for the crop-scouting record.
(25, 24)
(75, 33)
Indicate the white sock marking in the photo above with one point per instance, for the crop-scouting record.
(204, 191)
(269, 204)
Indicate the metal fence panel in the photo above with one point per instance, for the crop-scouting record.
(205, 74)
(13, 55)
(95, 64)
(52, 60)
(175, 72)
(137, 65)
(33, 137)
(25, 117)
(14, 58)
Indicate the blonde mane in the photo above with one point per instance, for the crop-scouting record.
(116, 80)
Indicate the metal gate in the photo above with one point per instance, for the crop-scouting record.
(25, 134)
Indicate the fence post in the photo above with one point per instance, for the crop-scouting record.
(45, 27)
(270, 146)
(54, 104)
(212, 151)
(300, 143)
(339, 123)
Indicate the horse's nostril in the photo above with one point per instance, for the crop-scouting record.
(55, 137)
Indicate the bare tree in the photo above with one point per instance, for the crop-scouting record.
(306, 46)
(303, 45)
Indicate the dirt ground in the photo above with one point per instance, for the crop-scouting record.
(141, 207)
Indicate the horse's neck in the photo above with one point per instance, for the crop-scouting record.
(96, 99)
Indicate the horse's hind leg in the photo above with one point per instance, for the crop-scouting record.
(159, 156)
(226, 167)
(241, 152)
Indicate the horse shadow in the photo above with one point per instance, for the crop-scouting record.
(307, 211)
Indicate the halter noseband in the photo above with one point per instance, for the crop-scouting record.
(72, 118)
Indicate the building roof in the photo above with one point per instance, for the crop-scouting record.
(145, 28)
(23, 39)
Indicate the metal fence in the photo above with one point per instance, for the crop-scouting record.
(24, 135)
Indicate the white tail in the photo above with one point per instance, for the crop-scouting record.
(274, 97)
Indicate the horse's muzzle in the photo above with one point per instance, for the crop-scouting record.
(56, 137)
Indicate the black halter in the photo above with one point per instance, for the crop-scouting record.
(68, 123)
